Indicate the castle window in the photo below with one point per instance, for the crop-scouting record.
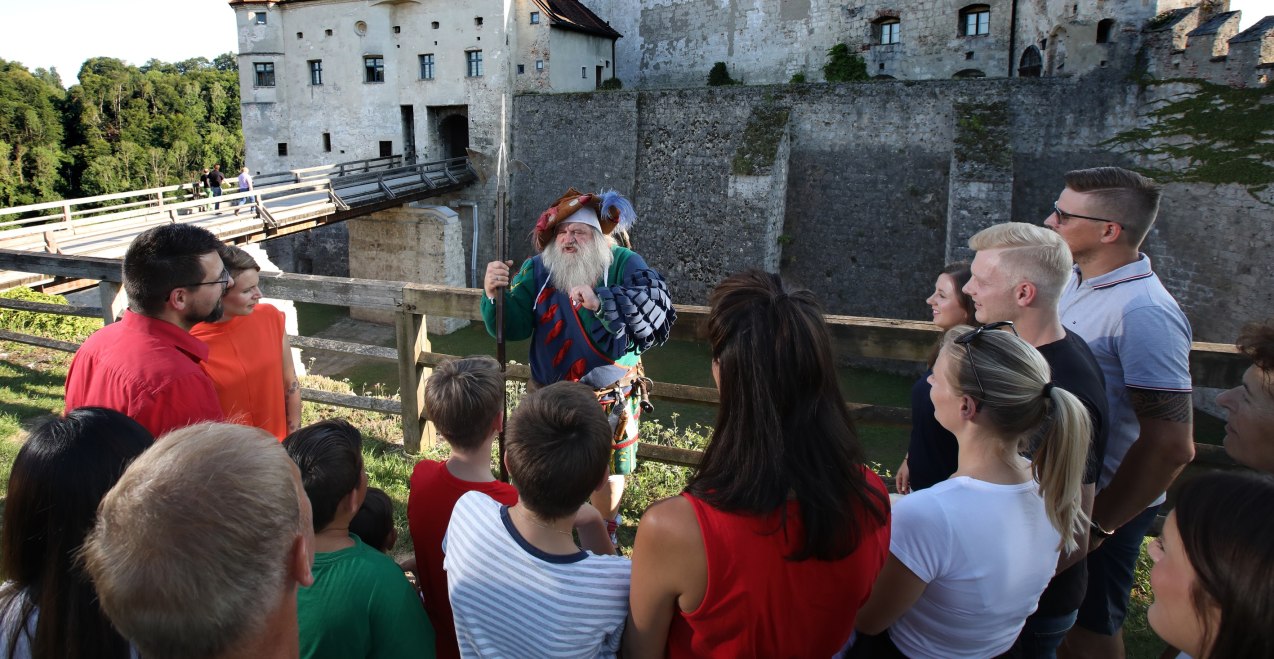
(258, 18)
(539, 65)
(264, 73)
(398, 29)
(374, 68)
(535, 18)
(975, 21)
(477, 21)
(427, 66)
(1104, 29)
(316, 71)
(583, 72)
(327, 142)
(885, 31)
(434, 25)
(283, 148)
(386, 148)
(1031, 63)
(521, 69)
(473, 62)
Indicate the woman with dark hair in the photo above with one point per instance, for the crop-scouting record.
(931, 454)
(249, 358)
(1213, 578)
(970, 556)
(48, 607)
(774, 544)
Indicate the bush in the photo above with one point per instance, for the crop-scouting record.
(844, 66)
(612, 83)
(719, 76)
(797, 79)
(64, 328)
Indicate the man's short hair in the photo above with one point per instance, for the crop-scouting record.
(195, 539)
(330, 457)
(161, 259)
(1256, 340)
(557, 448)
(1126, 197)
(1029, 253)
(463, 398)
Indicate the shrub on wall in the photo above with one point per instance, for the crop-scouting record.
(844, 66)
(797, 79)
(612, 83)
(719, 76)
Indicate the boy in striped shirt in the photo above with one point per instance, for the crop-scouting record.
(518, 583)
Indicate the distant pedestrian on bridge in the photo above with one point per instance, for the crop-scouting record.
(245, 185)
(215, 179)
(147, 365)
(592, 307)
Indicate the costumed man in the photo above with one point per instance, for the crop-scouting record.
(591, 308)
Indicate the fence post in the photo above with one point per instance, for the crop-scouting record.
(113, 299)
(412, 341)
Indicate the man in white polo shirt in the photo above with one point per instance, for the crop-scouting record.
(1141, 339)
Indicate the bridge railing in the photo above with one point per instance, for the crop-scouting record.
(1211, 365)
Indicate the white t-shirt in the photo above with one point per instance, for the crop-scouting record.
(986, 552)
(513, 600)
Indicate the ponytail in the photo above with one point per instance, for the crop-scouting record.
(1059, 463)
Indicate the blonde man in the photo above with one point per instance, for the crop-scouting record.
(1017, 276)
(200, 547)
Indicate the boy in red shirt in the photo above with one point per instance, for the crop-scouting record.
(464, 399)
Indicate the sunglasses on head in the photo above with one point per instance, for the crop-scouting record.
(969, 337)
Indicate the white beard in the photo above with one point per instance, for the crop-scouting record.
(583, 268)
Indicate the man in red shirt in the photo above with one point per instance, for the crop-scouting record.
(147, 365)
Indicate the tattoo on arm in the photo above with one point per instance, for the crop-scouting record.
(1162, 405)
(294, 387)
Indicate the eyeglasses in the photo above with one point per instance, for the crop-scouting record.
(967, 340)
(224, 280)
(1063, 217)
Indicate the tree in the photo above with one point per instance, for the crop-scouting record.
(719, 75)
(844, 66)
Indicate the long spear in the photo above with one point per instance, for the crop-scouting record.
(502, 233)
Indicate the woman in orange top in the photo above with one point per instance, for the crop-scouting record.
(249, 358)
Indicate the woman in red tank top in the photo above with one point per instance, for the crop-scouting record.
(778, 538)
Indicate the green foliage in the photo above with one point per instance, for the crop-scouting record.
(31, 155)
(64, 328)
(797, 79)
(154, 125)
(121, 128)
(760, 141)
(612, 83)
(982, 134)
(719, 76)
(844, 66)
(1213, 134)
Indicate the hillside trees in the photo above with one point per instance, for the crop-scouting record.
(31, 152)
(121, 128)
(150, 126)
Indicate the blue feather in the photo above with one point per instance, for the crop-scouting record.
(614, 200)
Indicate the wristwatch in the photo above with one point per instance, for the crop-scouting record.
(1098, 531)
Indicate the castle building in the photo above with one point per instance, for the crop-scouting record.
(325, 81)
(675, 44)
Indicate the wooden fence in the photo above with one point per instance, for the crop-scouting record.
(1211, 365)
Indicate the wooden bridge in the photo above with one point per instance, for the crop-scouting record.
(280, 203)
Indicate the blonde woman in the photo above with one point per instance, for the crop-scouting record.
(970, 556)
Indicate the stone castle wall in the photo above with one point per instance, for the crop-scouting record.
(873, 186)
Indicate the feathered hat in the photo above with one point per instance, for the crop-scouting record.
(604, 211)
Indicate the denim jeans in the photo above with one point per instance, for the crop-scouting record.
(1043, 635)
